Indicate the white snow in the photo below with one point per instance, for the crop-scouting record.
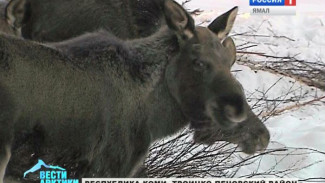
(300, 128)
(306, 32)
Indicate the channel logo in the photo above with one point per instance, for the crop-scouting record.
(50, 173)
(273, 7)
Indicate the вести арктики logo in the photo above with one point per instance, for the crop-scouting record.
(53, 174)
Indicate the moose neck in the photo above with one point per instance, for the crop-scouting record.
(164, 115)
(156, 51)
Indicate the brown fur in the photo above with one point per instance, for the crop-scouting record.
(52, 21)
(94, 104)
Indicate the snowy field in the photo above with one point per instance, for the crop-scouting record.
(303, 37)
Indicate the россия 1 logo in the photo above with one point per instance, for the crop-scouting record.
(273, 7)
(55, 174)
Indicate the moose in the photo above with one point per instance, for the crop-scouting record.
(52, 21)
(96, 102)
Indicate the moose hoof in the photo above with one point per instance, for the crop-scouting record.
(255, 141)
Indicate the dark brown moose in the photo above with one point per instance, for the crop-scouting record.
(94, 104)
(52, 21)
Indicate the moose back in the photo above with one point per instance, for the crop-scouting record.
(95, 103)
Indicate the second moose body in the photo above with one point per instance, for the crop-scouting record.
(52, 21)
(99, 102)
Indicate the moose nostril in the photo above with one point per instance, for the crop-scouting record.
(234, 114)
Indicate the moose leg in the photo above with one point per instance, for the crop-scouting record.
(6, 132)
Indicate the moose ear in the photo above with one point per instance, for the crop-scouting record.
(223, 24)
(229, 44)
(15, 13)
(179, 20)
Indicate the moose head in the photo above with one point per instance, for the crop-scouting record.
(200, 80)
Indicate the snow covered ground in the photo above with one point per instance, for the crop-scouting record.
(299, 128)
(302, 36)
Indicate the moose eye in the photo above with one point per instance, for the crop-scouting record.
(199, 65)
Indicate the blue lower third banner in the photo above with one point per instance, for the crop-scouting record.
(272, 7)
(186, 180)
